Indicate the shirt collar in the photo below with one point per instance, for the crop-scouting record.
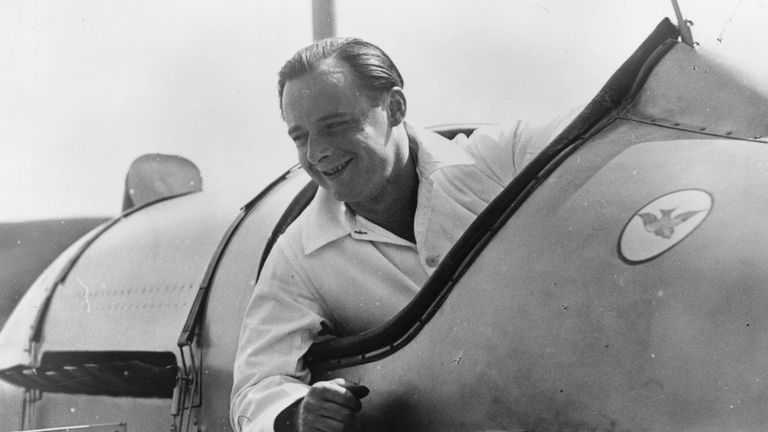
(435, 152)
(327, 219)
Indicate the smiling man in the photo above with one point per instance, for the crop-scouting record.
(349, 142)
(393, 199)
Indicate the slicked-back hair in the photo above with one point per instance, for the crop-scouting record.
(372, 66)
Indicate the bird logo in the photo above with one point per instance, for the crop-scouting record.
(663, 223)
(664, 226)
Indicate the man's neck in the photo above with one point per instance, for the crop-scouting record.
(394, 209)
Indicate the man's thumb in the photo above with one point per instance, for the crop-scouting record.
(357, 390)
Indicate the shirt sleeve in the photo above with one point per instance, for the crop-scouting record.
(281, 321)
(503, 151)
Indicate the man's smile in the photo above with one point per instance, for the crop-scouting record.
(337, 169)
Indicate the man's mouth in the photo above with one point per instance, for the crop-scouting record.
(337, 169)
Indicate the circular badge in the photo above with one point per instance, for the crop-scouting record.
(663, 223)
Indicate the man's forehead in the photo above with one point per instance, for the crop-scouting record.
(329, 88)
(335, 71)
(329, 73)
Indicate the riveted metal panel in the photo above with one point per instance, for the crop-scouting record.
(17, 331)
(126, 297)
(718, 98)
(132, 289)
(230, 293)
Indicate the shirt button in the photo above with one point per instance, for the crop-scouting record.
(433, 260)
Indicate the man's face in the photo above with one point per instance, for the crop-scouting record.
(343, 140)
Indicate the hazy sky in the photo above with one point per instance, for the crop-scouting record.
(86, 86)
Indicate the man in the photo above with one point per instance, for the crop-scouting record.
(392, 200)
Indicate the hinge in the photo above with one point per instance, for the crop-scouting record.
(187, 394)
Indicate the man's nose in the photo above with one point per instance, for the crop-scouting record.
(317, 149)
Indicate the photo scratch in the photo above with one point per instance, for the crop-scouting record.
(87, 301)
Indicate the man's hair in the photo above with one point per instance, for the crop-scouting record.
(372, 66)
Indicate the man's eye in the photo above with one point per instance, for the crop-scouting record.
(336, 126)
(299, 140)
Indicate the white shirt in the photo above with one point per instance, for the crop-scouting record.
(337, 272)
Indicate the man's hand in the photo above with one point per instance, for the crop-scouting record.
(331, 406)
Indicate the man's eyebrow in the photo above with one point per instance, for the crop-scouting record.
(293, 130)
(332, 116)
(323, 119)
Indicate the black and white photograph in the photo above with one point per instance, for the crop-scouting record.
(384, 216)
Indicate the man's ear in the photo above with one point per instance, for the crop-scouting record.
(397, 106)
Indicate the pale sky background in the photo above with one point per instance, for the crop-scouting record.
(86, 86)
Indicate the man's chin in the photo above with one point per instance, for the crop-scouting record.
(339, 196)
(334, 192)
(343, 196)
